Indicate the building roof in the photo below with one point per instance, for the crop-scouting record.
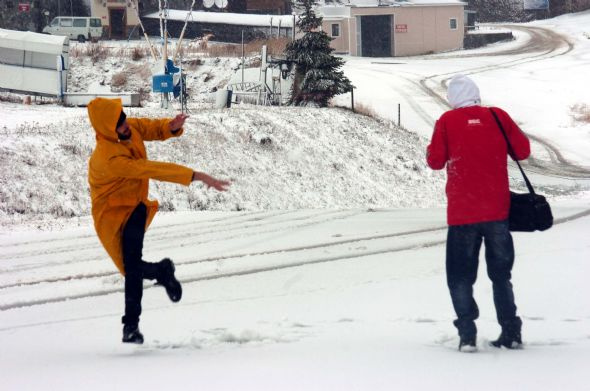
(228, 18)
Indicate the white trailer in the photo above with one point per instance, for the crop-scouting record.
(33, 63)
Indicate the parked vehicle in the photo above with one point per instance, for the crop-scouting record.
(80, 28)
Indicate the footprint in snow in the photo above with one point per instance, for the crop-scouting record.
(534, 317)
(424, 320)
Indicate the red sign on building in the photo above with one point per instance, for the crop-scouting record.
(401, 28)
(24, 7)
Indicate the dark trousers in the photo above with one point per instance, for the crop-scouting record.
(136, 270)
(463, 245)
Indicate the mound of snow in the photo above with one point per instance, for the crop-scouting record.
(275, 157)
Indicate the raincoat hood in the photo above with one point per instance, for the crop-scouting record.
(463, 92)
(104, 114)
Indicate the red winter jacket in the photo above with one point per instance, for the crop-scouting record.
(470, 143)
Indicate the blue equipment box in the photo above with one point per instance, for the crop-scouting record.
(162, 83)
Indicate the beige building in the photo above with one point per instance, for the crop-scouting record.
(118, 17)
(381, 28)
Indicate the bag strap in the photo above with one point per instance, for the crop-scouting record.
(511, 152)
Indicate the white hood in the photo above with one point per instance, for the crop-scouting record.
(463, 92)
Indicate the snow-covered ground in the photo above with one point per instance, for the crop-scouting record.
(332, 274)
(299, 300)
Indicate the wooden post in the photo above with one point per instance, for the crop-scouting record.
(352, 99)
(399, 114)
(178, 45)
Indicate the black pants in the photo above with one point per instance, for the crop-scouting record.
(463, 245)
(136, 270)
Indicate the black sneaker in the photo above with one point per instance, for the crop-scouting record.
(467, 345)
(169, 281)
(131, 334)
(509, 341)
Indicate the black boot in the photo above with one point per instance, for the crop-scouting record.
(168, 280)
(467, 344)
(131, 334)
(508, 340)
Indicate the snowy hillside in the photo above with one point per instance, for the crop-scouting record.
(276, 158)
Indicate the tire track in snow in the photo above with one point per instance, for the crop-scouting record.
(168, 246)
(262, 269)
(155, 228)
(270, 268)
(97, 246)
(233, 256)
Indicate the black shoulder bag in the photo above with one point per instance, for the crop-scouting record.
(529, 212)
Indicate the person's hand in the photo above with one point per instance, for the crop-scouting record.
(209, 181)
(177, 122)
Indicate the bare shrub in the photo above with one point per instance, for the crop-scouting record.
(198, 45)
(119, 79)
(144, 94)
(137, 53)
(362, 109)
(75, 51)
(141, 70)
(193, 63)
(274, 46)
(10, 98)
(581, 112)
(224, 50)
(97, 52)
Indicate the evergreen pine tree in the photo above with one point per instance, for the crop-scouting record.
(317, 75)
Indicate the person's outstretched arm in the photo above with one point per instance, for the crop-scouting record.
(158, 129)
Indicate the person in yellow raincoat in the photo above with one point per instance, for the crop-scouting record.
(118, 174)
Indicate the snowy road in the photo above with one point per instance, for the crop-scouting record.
(289, 300)
(538, 51)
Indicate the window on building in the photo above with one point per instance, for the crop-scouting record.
(453, 24)
(65, 22)
(9, 4)
(335, 30)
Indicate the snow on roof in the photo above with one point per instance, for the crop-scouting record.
(32, 42)
(228, 18)
(398, 3)
(437, 2)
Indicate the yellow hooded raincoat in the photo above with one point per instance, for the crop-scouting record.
(119, 171)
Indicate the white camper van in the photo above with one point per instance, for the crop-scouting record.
(80, 28)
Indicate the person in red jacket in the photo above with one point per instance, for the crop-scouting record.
(468, 141)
